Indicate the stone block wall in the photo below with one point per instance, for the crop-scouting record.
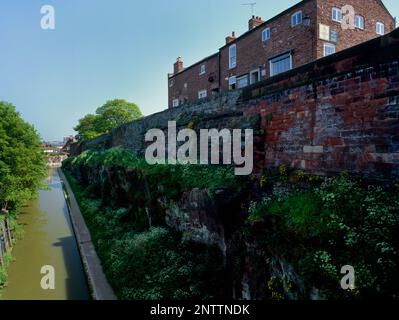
(339, 113)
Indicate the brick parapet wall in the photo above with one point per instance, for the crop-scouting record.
(340, 113)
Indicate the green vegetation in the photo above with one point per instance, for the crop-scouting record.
(175, 179)
(22, 166)
(3, 270)
(22, 161)
(312, 226)
(151, 263)
(108, 117)
(320, 229)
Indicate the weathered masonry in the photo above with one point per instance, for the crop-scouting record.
(309, 30)
(338, 113)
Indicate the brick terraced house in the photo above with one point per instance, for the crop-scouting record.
(307, 31)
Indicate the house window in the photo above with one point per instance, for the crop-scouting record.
(329, 49)
(175, 103)
(254, 76)
(232, 56)
(380, 28)
(202, 69)
(360, 22)
(242, 81)
(337, 15)
(171, 82)
(202, 94)
(232, 83)
(296, 18)
(266, 34)
(280, 64)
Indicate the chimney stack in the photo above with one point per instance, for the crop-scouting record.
(231, 38)
(178, 66)
(254, 22)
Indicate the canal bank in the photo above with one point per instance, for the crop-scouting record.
(48, 240)
(100, 287)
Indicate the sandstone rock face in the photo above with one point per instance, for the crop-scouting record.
(196, 217)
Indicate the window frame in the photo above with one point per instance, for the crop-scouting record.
(295, 14)
(273, 60)
(268, 32)
(231, 64)
(238, 79)
(258, 71)
(200, 94)
(339, 10)
(329, 45)
(232, 82)
(202, 69)
(174, 104)
(363, 22)
(381, 24)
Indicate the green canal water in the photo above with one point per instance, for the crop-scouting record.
(48, 240)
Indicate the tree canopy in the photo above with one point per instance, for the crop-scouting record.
(22, 160)
(111, 115)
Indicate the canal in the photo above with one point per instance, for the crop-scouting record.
(48, 240)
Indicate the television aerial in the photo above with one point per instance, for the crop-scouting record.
(252, 5)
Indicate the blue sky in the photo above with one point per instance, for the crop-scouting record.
(105, 49)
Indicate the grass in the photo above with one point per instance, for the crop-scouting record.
(3, 271)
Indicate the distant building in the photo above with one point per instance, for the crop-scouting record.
(68, 141)
(307, 31)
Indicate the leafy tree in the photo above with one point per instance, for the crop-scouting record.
(111, 115)
(116, 113)
(86, 127)
(22, 160)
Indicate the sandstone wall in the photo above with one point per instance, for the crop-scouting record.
(340, 113)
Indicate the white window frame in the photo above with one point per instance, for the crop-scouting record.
(380, 28)
(202, 94)
(294, 18)
(329, 45)
(272, 61)
(232, 81)
(175, 103)
(171, 83)
(251, 73)
(359, 18)
(232, 58)
(239, 79)
(202, 69)
(337, 12)
(266, 34)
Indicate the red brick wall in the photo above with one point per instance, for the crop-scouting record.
(187, 83)
(252, 53)
(339, 113)
(333, 115)
(371, 10)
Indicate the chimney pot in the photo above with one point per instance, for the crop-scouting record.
(254, 22)
(231, 38)
(178, 66)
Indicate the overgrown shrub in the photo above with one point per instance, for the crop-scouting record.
(149, 264)
(341, 222)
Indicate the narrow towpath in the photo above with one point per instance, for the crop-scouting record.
(100, 287)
